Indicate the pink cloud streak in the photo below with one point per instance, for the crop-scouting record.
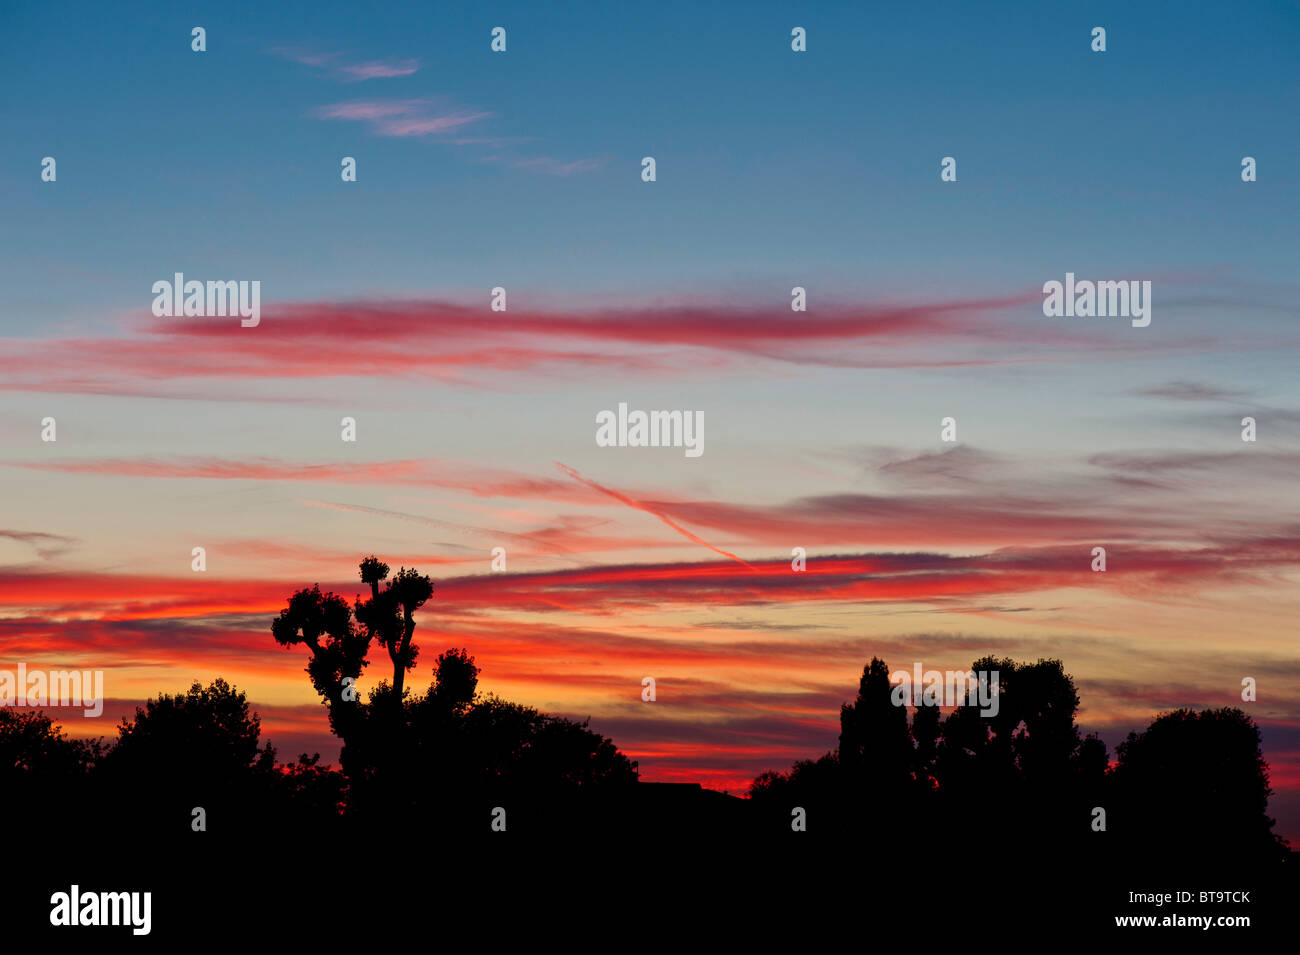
(446, 341)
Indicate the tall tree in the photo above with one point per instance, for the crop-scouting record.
(875, 748)
(447, 745)
(389, 615)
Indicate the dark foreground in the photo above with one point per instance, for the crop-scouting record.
(675, 870)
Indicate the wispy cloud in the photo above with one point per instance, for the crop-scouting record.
(1190, 391)
(337, 64)
(421, 472)
(46, 546)
(449, 341)
(559, 167)
(925, 577)
(435, 116)
(402, 117)
(381, 70)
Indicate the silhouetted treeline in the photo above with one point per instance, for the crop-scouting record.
(448, 761)
(1024, 777)
(441, 760)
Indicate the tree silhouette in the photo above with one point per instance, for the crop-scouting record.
(339, 648)
(32, 746)
(925, 736)
(1212, 760)
(875, 752)
(338, 651)
(196, 749)
(1017, 779)
(455, 681)
(41, 768)
(1018, 767)
(1027, 776)
(388, 616)
(448, 748)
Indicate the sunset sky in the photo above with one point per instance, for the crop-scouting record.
(476, 429)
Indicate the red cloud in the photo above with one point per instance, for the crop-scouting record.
(925, 577)
(435, 339)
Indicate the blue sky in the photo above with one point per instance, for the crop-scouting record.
(774, 167)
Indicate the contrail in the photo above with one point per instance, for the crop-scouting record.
(637, 505)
